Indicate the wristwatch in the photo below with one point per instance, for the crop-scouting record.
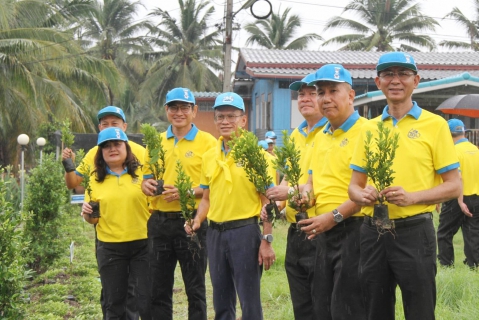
(268, 238)
(338, 217)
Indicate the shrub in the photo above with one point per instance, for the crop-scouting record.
(44, 197)
(12, 249)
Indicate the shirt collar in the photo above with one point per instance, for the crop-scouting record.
(116, 174)
(415, 112)
(461, 140)
(346, 125)
(189, 136)
(318, 124)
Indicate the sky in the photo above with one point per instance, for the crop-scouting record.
(315, 13)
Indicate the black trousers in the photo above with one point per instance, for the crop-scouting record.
(118, 264)
(169, 244)
(299, 265)
(336, 283)
(450, 220)
(406, 257)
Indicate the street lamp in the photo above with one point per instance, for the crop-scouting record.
(41, 142)
(22, 140)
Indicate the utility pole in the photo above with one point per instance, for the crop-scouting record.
(228, 43)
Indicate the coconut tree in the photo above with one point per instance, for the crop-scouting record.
(44, 71)
(382, 22)
(278, 32)
(471, 26)
(189, 52)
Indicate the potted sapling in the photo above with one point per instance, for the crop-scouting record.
(287, 162)
(67, 141)
(156, 155)
(380, 153)
(186, 196)
(95, 205)
(246, 151)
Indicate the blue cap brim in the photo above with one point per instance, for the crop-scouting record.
(295, 86)
(383, 66)
(104, 114)
(312, 83)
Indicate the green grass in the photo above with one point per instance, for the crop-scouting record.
(456, 287)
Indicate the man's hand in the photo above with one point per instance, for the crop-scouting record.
(171, 193)
(277, 193)
(148, 186)
(465, 209)
(68, 153)
(266, 255)
(316, 225)
(398, 196)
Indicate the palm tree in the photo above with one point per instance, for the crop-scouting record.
(278, 31)
(472, 27)
(44, 71)
(385, 21)
(189, 52)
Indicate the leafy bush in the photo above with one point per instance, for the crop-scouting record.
(44, 197)
(12, 189)
(12, 247)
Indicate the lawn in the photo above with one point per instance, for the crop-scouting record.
(71, 290)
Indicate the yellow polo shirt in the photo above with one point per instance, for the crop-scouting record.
(232, 195)
(468, 155)
(123, 207)
(425, 151)
(330, 163)
(304, 142)
(189, 151)
(89, 159)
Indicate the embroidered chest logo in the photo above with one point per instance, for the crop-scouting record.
(134, 180)
(344, 143)
(413, 134)
(189, 154)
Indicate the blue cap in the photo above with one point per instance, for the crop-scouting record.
(270, 135)
(263, 144)
(111, 111)
(180, 94)
(332, 72)
(456, 126)
(268, 141)
(297, 85)
(229, 99)
(396, 59)
(111, 133)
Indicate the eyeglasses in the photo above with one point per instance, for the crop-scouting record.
(185, 108)
(229, 117)
(402, 75)
(112, 145)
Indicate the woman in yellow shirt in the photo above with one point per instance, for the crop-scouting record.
(122, 250)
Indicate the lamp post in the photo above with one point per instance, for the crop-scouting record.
(41, 142)
(22, 140)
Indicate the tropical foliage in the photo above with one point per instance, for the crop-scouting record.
(189, 52)
(278, 32)
(471, 26)
(381, 24)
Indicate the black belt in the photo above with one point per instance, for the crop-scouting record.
(223, 226)
(169, 215)
(404, 222)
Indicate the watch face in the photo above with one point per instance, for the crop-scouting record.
(338, 217)
(268, 237)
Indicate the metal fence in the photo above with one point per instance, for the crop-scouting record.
(473, 136)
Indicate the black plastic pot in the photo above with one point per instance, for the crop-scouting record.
(273, 211)
(95, 207)
(300, 216)
(68, 165)
(159, 187)
(381, 216)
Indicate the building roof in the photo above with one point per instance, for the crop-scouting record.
(295, 64)
(463, 79)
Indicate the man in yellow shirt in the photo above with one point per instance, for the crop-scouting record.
(425, 173)
(300, 254)
(462, 212)
(236, 248)
(337, 293)
(168, 241)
